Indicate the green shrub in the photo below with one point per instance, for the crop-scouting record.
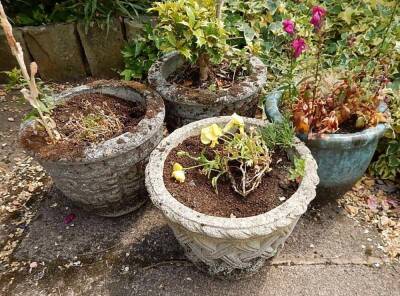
(387, 165)
(354, 32)
(192, 28)
(139, 54)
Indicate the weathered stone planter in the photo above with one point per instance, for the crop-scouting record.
(228, 246)
(185, 105)
(109, 178)
(342, 158)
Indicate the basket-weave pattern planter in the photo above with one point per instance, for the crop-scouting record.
(228, 245)
(109, 178)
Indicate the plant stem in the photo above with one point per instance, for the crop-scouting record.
(316, 75)
(291, 74)
(220, 5)
(203, 65)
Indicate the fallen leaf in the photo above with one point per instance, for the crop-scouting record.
(351, 210)
(69, 218)
(372, 204)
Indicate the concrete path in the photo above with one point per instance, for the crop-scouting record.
(138, 255)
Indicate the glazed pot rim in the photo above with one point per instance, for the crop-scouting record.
(250, 85)
(358, 138)
(220, 227)
(155, 113)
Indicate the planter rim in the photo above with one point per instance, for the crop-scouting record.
(251, 84)
(349, 140)
(146, 128)
(220, 227)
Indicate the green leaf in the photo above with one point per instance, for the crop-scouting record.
(397, 47)
(346, 15)
(248, 32)
(171, 38)
(190, 15)
(276, 28)
(186, 53)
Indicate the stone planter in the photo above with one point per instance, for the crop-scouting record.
(109, 178)
(57, 51)
(342, 158)
(228, 246)
(185, 105)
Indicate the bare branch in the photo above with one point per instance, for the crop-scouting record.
(31, 95)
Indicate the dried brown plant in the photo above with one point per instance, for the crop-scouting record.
(32, 95)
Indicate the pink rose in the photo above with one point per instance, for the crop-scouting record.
(299, 45)
(317, 16)
(288, 26)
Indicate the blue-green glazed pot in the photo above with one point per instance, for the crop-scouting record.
(342, 158)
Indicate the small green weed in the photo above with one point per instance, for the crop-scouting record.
(296, 173)
(278, 134)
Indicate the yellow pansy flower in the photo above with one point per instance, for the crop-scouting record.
(236, 121)
(178, 173)
(210, 135)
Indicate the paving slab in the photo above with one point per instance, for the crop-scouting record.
(324, 232)
(49, 238)
(181, 279)
(138, 255)
(279, 280)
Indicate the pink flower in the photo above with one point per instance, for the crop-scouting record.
(299, 45)
(288, 26)
(317, 17)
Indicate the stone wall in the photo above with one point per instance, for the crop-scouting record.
(70, 51)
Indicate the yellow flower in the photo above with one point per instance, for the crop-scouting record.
(178, 173)
(236, 121)
(282, 7)
(210, 135)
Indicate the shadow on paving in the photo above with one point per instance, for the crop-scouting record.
(137, 254)
(49, 238)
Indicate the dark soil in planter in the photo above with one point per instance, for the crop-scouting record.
(198, 194)
(83, 120)
(220, 77)
(348, 127)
